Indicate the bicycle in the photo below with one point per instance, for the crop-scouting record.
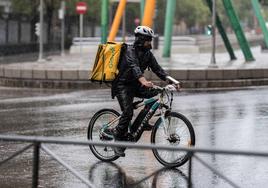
(171, 128)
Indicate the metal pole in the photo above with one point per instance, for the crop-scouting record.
(59, 160)
(15, 154)
(81, 25)
(218, 173)
(62, 27)
(213, 58)
(40, 58)
(36, 155)
(223, 34)
(56, 140)
(190, 171)
(170, 12)
(81, 32)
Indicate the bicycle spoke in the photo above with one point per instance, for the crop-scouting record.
(177, 133)
(103, 121)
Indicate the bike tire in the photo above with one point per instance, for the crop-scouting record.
(174, 138)
(93, 134)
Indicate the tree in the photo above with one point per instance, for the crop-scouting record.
(30, 7)
(192, 12)
(264, 2)
(246, 17)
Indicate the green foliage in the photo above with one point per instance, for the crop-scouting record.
(161, 13)
(264, 2)
(24, 6)
(192, 12)
(264, 7)
(132, 12)
(244, 11)
(29, 6)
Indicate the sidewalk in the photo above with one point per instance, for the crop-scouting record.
(72, 71)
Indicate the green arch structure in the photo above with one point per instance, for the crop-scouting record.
(170, 13)
(238, 30)
(257, 10)
(223, 34)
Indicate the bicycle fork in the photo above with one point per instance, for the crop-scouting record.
(165, 125)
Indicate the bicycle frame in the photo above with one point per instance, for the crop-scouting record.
(158, 104)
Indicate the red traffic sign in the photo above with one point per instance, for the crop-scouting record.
(81, 8)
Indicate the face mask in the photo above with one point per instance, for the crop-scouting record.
(148, 48)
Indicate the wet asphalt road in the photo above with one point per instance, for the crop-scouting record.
(236, 119)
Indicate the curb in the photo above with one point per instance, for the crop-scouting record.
(86, 84)
(78, 79)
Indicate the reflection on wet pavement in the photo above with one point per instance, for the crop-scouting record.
(234, 119)
(113, 174)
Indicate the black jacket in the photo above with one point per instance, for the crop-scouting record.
(132, 65)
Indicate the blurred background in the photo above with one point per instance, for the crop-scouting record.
(18, 19)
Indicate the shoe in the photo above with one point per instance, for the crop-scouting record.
(119, 151)
(147, 127)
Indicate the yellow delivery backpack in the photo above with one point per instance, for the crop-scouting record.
(106, 62)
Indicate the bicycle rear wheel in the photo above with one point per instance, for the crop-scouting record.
(100, 122)
(178, 131)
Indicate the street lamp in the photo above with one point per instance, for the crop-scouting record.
(213, 58)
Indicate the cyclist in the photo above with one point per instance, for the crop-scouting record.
(131, 82)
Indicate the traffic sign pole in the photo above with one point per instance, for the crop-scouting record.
(40, 58)
(81, 9)
(81, 31)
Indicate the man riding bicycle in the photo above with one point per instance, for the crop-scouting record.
(131, 82)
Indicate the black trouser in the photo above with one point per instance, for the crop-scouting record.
(125, 96)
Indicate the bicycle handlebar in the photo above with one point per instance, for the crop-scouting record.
(169, 87)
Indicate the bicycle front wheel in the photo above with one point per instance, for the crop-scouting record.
(98, 130)
(176, 130)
